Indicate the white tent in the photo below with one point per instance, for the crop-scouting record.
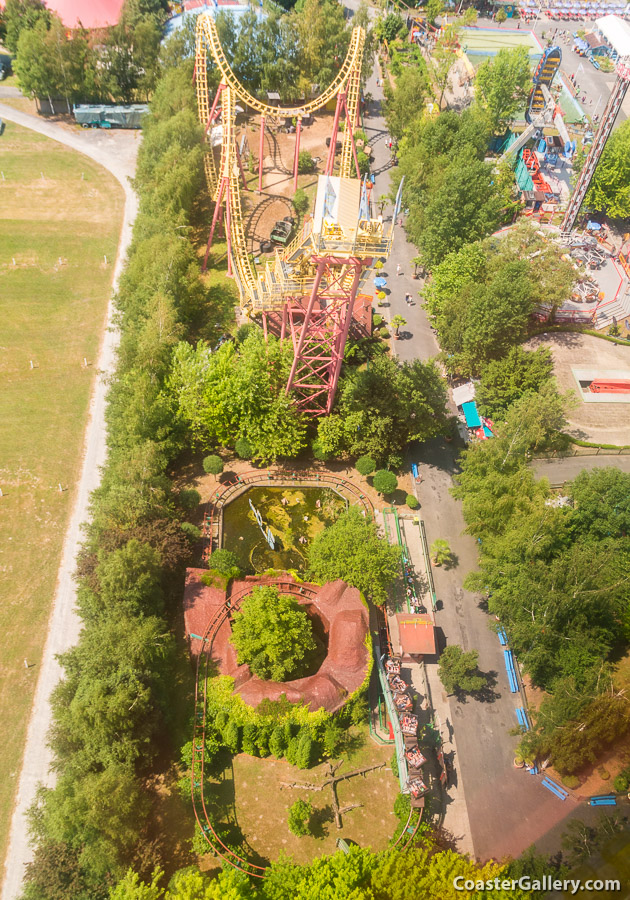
(617, 33)
(463, 393)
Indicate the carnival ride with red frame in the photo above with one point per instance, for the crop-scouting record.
(309, 288)
(597, 147)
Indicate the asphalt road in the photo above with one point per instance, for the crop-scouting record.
(115, 152)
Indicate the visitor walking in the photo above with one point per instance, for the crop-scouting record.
(398, 270)
(408, 299)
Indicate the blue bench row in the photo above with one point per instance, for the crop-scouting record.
(414, 470)
(555, 788)
(603, 800)
(502, 637)
(523, 718)
(511, 673)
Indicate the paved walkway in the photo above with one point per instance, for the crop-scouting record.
(568, 467)
(64, 623)
(493, 809)
(456, 819)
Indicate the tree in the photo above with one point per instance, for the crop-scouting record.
(501, 16)
(278, 741)
(319, 453)
(243, 449)
(273, 635)
(440, 551)
(305, 749)
(469, 18)
(131, 888)
(130, 581)
(55, 872)
(505, 380)
(300, 200)
(322, 41)
(444, 57)
(378, 411)
(464, 206)
(189, 498)
(224, 562)
(363, 161)
(610, 187)
(351, 549)
(238, 392)
(601, 503)
(306, 163)
(365, 465)
(398, 322)
(20, 16)
(213, 465)
(385, 482)
(404, 105)
(300, 814)
(502, 84)
(389, 28)
(457, 670)
(434, 9)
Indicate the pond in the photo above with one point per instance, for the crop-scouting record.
(294, 515)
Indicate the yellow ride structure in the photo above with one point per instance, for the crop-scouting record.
(311, 286)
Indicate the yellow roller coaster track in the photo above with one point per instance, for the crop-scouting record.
(207, 36)
(268, 290)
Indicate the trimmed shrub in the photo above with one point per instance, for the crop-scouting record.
(385, 482)
(306, 163)
(365, 465)
(571, 781)
(300, 200)
(243, 449)
(411, 501)
(189, 498)
(299, 817)
(213, 465)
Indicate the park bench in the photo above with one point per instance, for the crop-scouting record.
(555, 788)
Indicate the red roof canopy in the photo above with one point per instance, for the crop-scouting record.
(417, 635)
(90, 13)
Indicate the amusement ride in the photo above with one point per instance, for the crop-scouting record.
(309, 290)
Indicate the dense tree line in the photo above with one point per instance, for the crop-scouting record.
(427, 873)
(113, 709)
(556, 576)
(293, 52)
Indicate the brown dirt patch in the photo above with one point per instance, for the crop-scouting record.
(261, 211)
(608, 423)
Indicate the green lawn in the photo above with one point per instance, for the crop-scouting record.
(61, 215)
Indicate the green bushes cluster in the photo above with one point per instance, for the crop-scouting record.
(114, 705)
(276, 727)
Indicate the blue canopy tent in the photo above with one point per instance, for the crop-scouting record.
(471, 415)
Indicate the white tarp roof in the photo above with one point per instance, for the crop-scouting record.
(464, 393)
(617, 33)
